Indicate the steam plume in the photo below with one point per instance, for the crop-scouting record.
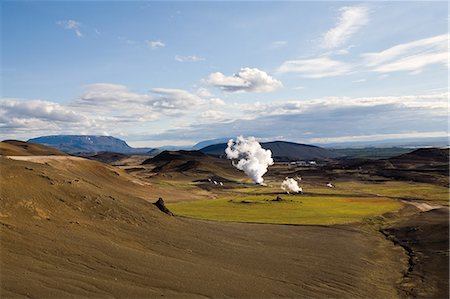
(251, 157)
(290, 185)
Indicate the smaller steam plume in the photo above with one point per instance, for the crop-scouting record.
(250, 156)
(291, 185)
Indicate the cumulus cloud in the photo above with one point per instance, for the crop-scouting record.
(71, 25)
(192, 58)
(174, 99)
(411, 57)
(37, 109)
(155, 44)
(20, 116)
(216, 102)
(316, 67)
(246, 80)
(351, 19)
(103, 107)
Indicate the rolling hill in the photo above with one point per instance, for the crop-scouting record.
(281, 151)
(21, 148)
(192, 163)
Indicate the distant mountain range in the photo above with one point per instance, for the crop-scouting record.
(88, 143)
(281, 151)
(76, 144)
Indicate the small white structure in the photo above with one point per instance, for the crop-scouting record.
(298, 178)
(330, 185)
(215, 183)
(221, 184)
(209, 180)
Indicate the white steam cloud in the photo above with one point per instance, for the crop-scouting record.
(290, 185)
(251, 157)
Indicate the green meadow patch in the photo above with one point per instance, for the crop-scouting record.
(413, 190)
(295, 209)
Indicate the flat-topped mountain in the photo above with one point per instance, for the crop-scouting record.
(87, 143)
(281, 151)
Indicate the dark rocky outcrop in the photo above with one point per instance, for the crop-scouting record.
(162, 206)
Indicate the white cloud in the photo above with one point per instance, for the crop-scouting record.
(411, 57)
(38, 109)
(279, 44)
(298, 88)
(376, 137)
(162, 100)
(212, 115)
(315, 67)
(169, 99)
(71, 25)
(352, 18)
(155, 44)
(101, 107)
(204, 93)
(20, 115)
(216, 102)
(432, 102)
(247, 80)
(332, 117)
(101, 94)
(192, 58)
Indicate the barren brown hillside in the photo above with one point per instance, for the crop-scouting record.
(73, 227)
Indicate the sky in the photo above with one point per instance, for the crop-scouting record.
(175, 73)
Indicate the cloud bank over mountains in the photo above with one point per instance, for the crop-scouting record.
(315, 120)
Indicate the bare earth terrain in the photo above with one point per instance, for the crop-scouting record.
(73, 227)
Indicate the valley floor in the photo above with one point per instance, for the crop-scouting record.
(190, 258)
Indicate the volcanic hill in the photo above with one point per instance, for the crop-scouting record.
(192, 163)
(281, 151)
(428, 165)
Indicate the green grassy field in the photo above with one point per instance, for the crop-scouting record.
(298, 209)
(419, 191)
(413, 190)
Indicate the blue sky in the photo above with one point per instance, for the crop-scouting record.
(157, 73)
